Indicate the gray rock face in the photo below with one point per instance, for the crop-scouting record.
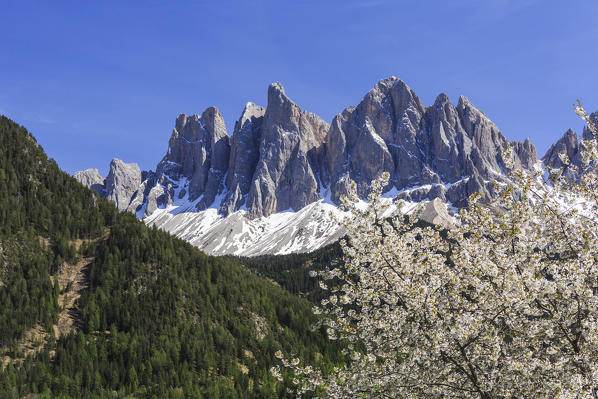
(142, 195)
(244, 156)
(282, 157)
(286, 175)
(361, 139)
(91, 178)
(444, 143)
(198, 151)
(435, 212)
(526, 152)
(454, 151)
(122, 182)
(587, 133)
(569, 145)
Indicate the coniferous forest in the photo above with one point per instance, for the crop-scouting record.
(291, 271)
(94, 304)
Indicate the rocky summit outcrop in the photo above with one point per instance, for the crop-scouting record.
(441, 151)
(283, 157)
(291, 142)
(198, 152)
(357, 148)
(92, 179)
(244, 156)
(270, 164)
(567, 145)
(193, 168)
(122, 182)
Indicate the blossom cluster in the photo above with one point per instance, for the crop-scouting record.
(503, 306)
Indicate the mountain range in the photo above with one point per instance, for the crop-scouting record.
(273, 186)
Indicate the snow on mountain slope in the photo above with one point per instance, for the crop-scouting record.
(237, 234)
(312, 227)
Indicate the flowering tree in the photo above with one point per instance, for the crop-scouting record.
(503, 306)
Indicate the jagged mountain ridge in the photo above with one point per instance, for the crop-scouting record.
(570, 145)
(283, 158)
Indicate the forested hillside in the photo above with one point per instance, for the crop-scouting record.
(292, 271)
(95, 304)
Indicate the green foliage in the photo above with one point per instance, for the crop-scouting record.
(292, 271)
(37, 201)
(36, 195)
(28, 294)
(159, 318)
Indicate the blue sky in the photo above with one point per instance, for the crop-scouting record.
(103, 80)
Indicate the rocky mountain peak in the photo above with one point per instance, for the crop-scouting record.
(279, 106)
(476, 123)
(250, 112)
(443, 115)
(462, 102)
(441, 100)
(244, 156)
(275, 90)
(181, 121)
(219, 139)
(122, 182)
(444, 143)
(290, 145)
(282, 114)
(214, 124)
(452, 150)
(526, 152)
(91, 178)
(379, 134)
(567, 144)
(488, 142)
(570, 145)
(198, 152)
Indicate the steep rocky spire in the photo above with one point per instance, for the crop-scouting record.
(286, 174)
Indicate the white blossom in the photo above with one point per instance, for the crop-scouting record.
(503, 306)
